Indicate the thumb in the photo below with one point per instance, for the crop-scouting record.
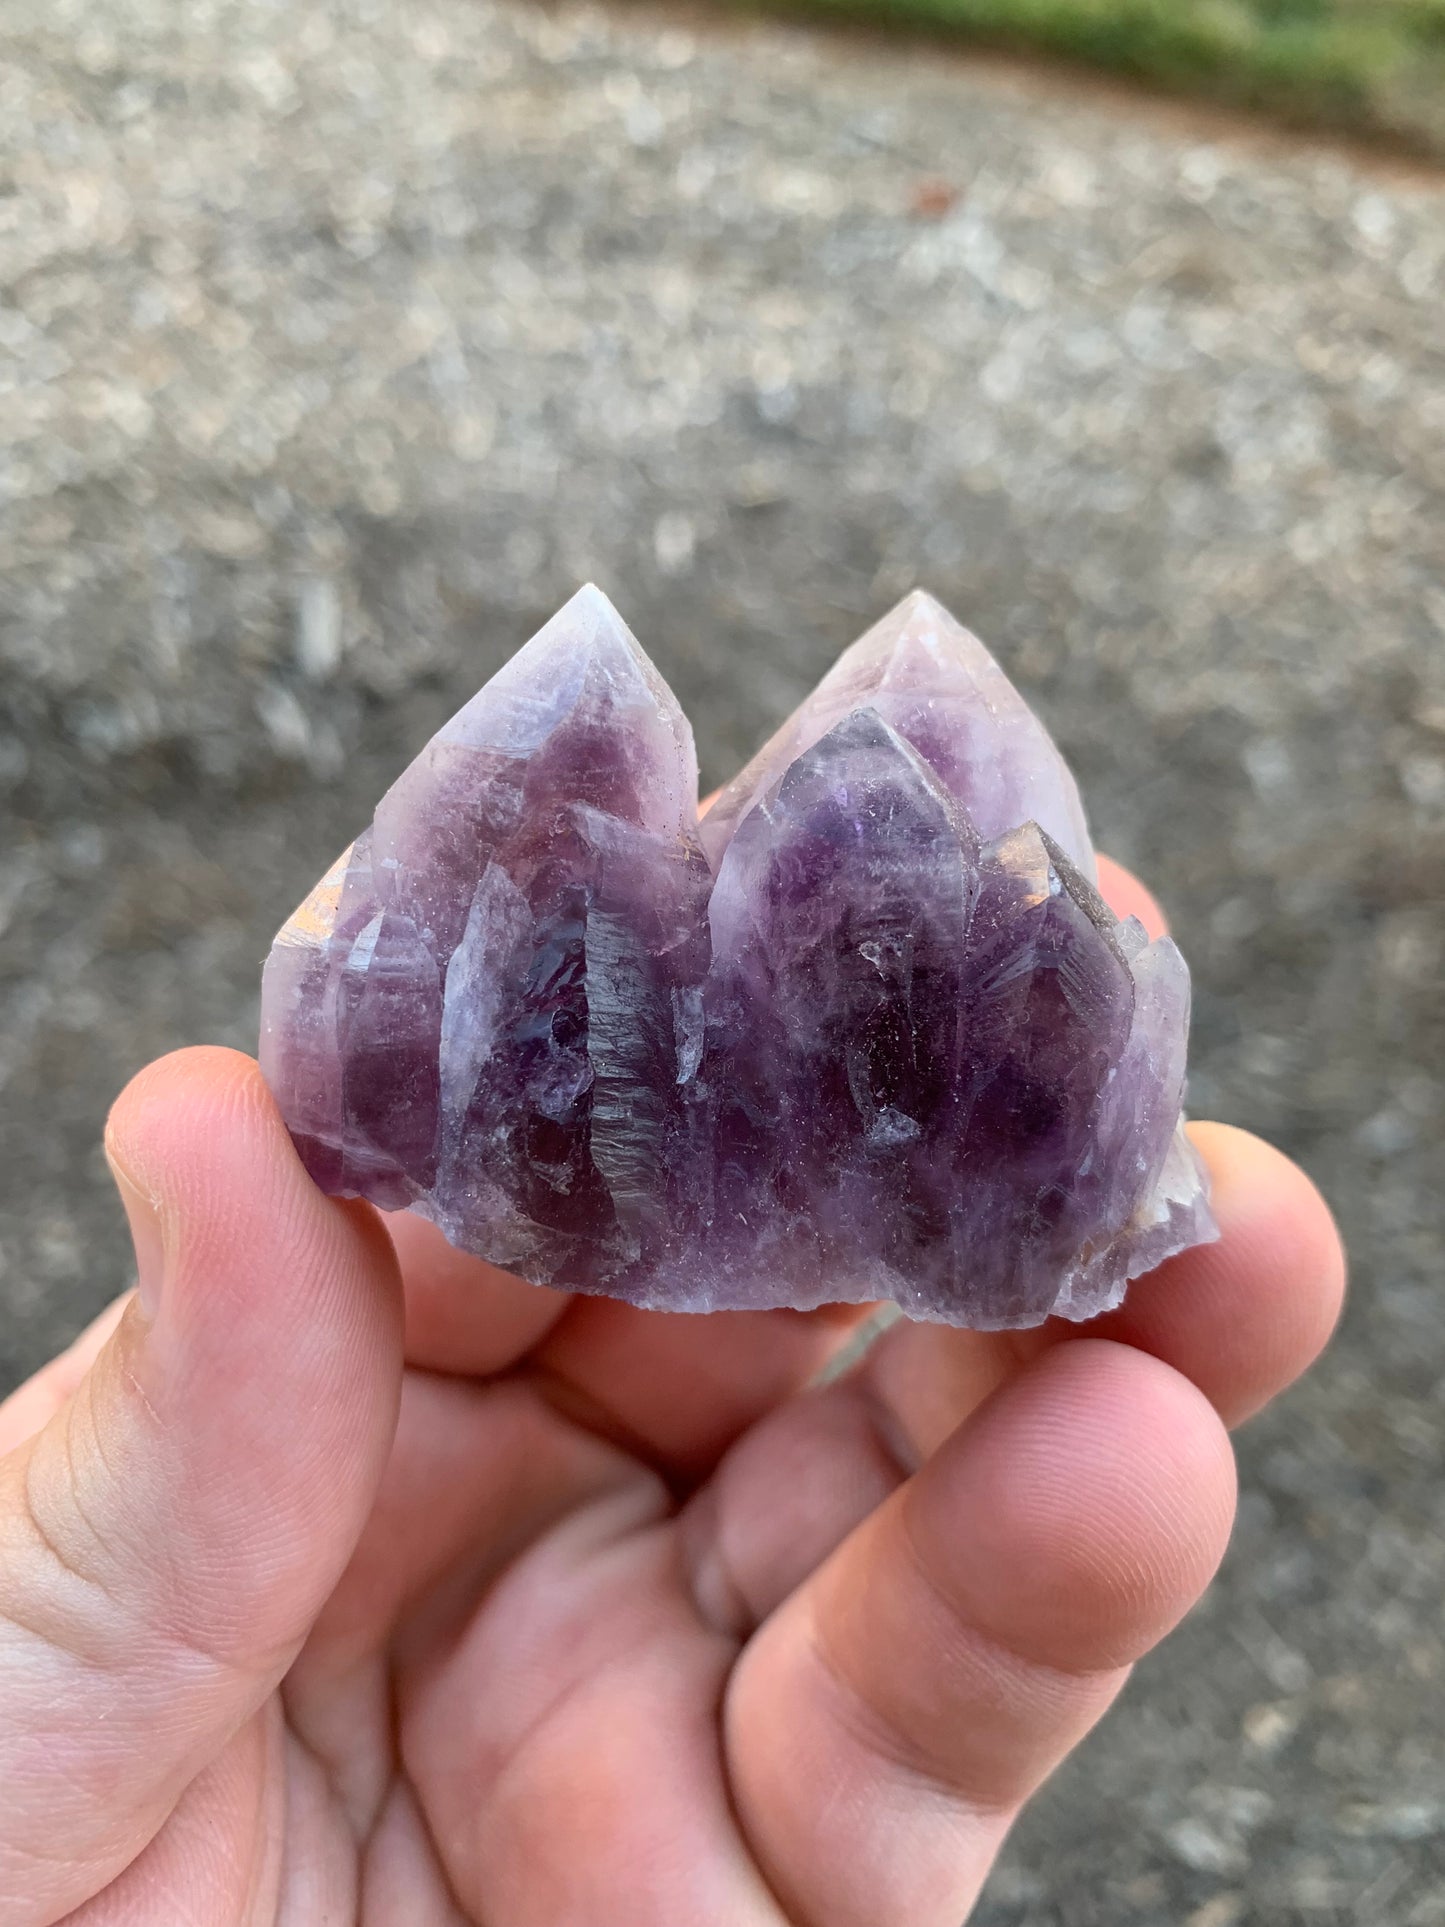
(168, 1537)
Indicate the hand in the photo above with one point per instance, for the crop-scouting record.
(345, 1578)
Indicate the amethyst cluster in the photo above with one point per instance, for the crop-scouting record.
(865, 1031)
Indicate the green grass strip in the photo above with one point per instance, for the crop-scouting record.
(1363, 67)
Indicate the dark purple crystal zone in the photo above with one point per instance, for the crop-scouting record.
(871, 1056)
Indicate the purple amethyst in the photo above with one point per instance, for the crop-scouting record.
(867, 1032)
(932, 681)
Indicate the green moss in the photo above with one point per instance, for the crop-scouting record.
(1373, 67)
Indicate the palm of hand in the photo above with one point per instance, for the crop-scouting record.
(604, 1615)
(511, 1706)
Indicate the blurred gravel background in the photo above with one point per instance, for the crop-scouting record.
(337, 345)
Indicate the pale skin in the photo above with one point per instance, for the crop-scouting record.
(344, 1578)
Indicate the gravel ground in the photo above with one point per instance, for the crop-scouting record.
(338, 344)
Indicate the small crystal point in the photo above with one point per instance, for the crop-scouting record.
(891, 1043)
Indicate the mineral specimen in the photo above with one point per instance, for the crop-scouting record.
(867, 1031)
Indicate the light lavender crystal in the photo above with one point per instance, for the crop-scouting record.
(867, 1031)
(933, 681)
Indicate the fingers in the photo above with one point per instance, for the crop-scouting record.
(220, 1840)
(677, 1390)
(30, 1405)
(477, 1474)
(674, 1390)
(785, 1497)
(167, 1538)
(1241, 1319)
(885, 1723)
(463, 1315)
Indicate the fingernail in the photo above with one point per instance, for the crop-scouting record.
(143, 1214)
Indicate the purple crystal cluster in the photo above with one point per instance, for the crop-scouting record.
(866, 1031)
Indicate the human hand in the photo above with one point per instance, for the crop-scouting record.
(345, 1578)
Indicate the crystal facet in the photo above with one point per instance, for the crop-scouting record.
(936, 684)
(867, 1031)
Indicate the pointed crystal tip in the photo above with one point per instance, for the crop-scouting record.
(588, 628)
(940, 688)
(590, 605)
(921, 605)
(583, 661)
(915, 640)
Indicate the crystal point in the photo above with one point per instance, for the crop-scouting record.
(935, 683)
(868, 1031)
